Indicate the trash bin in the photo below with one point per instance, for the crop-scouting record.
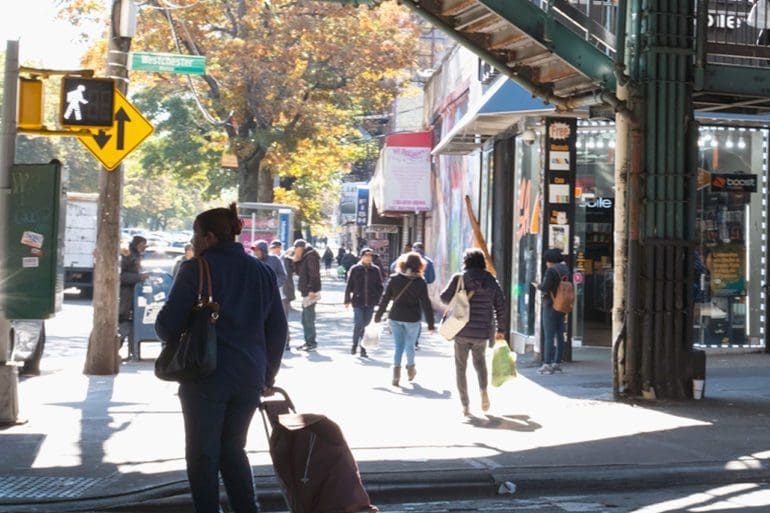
(149, 297)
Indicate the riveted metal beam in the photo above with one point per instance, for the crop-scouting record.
(737, 80)
(569, 46)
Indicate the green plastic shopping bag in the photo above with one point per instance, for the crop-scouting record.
(503, 363)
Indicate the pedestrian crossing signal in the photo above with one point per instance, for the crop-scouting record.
(87, 102)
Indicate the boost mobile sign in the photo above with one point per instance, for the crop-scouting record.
(733, 183)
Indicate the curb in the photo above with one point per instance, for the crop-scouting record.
(393, 487)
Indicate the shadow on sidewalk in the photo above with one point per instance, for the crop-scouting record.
(520, 423)
(416, 391)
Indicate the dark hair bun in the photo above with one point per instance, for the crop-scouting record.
(237, 224)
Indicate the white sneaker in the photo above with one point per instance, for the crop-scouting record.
(556, 368)
(545, 369)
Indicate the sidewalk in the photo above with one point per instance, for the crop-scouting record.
(98, 442)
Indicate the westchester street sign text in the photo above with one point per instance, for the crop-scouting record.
(168, 63)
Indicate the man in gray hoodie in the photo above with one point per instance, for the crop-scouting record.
(273, 262)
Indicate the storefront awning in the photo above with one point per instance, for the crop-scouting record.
(500, 107)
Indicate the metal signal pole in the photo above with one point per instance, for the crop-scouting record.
(9, 396)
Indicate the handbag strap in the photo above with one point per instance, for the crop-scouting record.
(201, 263)
(204, 271)
(205, 268)
(461, 286)
(402, 291)
(204, 276)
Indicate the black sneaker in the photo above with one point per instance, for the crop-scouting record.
(364, 354)
(307, 347)
(353, 350)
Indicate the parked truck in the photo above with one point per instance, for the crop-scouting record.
(80, 242)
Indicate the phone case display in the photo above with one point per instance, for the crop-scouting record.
(720, 268)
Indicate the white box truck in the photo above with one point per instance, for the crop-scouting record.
(80, 242)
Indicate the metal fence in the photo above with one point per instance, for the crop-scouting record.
(731, 36)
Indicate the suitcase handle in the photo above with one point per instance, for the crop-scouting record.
(283, 393)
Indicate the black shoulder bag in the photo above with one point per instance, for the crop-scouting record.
(194, 355)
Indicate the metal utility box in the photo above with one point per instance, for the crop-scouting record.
(149, 298)
(34, 265)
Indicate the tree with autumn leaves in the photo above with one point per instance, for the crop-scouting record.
(287, 81)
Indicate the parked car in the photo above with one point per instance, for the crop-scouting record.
(27, 345)
(160, 258)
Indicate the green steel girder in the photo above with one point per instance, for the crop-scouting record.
(737, 80)
(573, 49)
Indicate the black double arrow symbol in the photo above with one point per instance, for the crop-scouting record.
(102, 138)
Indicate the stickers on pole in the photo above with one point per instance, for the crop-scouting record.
(129, 129)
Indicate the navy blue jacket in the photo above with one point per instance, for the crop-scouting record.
(487, 300)
(251, 330)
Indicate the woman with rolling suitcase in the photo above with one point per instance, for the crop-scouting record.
(250, 338)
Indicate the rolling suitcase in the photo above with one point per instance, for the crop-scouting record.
(312, 461)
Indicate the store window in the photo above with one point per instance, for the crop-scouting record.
(731, 245)
(594, 220)
(526, 228)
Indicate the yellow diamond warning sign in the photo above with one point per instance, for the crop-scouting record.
(129, 128)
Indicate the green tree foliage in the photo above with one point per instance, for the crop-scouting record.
(284, 77)
(183, 147)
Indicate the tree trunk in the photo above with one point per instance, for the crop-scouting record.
(255, 181)
(102, 355)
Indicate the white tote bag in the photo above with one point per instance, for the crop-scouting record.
(459, 312)
(371, 335)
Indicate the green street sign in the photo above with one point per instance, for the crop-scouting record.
(168, 63)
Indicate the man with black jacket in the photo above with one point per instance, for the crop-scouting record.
(307, 265)
(363, 291)
(553, 320)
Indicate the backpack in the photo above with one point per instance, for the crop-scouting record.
(564, 298)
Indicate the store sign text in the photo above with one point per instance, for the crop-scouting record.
(599, 203)
(743, 183)
(725, 21)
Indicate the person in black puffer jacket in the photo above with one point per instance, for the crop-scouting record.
(409, 293)
(363, 291)
(486, 299)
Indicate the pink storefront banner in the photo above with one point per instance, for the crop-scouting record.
(406, 166)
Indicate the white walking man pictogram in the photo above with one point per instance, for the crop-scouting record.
(74, 99)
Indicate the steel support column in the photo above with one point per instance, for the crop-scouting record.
(659, 361)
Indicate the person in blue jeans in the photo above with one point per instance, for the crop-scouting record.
(553, 321)
(251, 334)
(409, 293)
(363, 291)
(429, 274)
(307, 266)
